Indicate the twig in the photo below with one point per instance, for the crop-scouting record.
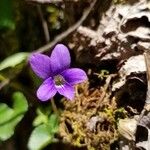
(4, 83)
(147, 101)
(44, 24)
(44, 1)
(54, 107)
(63, 35)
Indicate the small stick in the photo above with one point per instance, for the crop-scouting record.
(44, 24)
(54, 107)
(147, 61)
(147, 101)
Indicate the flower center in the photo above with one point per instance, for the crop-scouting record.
(59, 80)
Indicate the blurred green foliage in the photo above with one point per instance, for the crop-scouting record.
(10, 117)
(13, 60)
(46, 126)
(6, 14)
(55, 17)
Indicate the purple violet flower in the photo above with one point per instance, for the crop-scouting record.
(57, 75)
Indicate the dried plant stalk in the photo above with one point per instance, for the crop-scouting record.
(147, 61)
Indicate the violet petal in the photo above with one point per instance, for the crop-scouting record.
(66, 90)
(41, 65)
(74, 75)
(60, 59)
(47, 90)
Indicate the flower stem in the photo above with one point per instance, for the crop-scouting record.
(54, 107)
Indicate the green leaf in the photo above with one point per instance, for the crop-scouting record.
(10, 117)
(6, 14)
(39, 138)
(53, 123)
(20, 102)
(42, 115)
(13, 60)
(41, 118)
(43, 134)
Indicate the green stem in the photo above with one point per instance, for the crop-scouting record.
(54, 107)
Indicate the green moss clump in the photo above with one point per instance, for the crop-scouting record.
(91, 119)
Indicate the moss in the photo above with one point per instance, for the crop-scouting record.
(91, 119)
